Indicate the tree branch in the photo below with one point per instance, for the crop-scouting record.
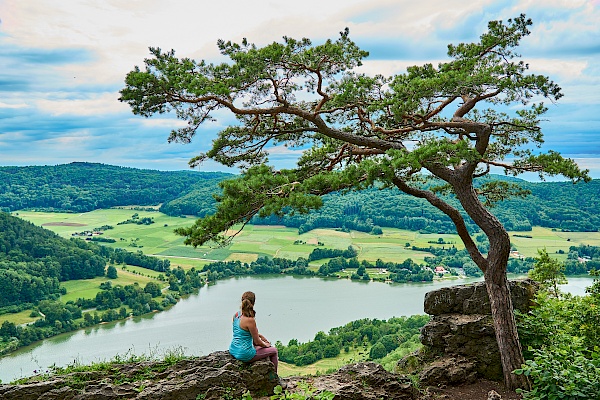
(451, 212)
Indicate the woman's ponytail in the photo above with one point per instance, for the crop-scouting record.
(248, 299)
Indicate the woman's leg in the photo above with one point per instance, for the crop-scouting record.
(264, 352)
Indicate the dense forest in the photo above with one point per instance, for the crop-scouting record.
(81, 187)
(34, 260)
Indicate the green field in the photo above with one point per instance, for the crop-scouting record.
(278, 241)
(326, 364)
(258, 240)
(18, 318)
(87, 288)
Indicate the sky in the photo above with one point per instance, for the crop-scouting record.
(62, 64)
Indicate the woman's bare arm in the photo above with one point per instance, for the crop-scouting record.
(257, 338)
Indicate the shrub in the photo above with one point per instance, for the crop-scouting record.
(562, 372)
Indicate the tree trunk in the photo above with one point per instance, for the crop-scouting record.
(505, 326)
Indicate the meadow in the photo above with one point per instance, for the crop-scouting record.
(277, 241)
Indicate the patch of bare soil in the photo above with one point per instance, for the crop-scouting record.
(474, 391)
(63, 224)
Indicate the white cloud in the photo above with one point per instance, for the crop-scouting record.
(8, 105)
(160, 122)
(114, 35)
(566, 69)
(94, 104)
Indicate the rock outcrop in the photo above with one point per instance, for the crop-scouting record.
(459, 341)
(361, 381)
(215, 376)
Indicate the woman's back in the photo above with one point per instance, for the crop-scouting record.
(241, 346)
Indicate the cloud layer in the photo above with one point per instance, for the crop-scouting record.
(63, 63)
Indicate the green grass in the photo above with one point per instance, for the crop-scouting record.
(141, 271)
(324, 365)
(185, 262)
(153, 239)
(88, 288)
(18, 318)
(552, 241)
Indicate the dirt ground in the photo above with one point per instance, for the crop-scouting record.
(475, 391)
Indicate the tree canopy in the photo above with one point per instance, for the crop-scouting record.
(430, 130)
(354, 128)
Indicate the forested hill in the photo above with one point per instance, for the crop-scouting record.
(33, 260)
(560, 205)
(80, 187)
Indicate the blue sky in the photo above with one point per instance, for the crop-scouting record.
(63, 62)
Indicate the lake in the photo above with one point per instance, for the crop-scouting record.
(287, 307)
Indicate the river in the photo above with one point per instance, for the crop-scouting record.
(287, 307)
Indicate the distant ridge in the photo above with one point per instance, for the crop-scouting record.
(82, 187)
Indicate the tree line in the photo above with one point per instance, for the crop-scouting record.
(407, 271)
(558, 205)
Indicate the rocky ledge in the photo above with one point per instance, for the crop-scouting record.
(215, 376)
(211, 377)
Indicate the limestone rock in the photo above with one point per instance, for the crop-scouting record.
(473, 298)
(214, 376)
(461, 328)
(493, 395)
(449, 370)
(471, 336)
(367, 380)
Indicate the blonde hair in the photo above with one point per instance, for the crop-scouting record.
(248, 299)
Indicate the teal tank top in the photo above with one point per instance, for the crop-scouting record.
(241, 346)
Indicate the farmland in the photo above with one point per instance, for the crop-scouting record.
(278, 241)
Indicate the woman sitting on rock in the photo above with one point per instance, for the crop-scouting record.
(247, 344)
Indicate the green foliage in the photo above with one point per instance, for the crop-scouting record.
(111, 272)
(406, 271)
(320, 253)
(549, 272)
(386, 335)
(562, 336)
(378, 351)
(471, 269)
(562, 372)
